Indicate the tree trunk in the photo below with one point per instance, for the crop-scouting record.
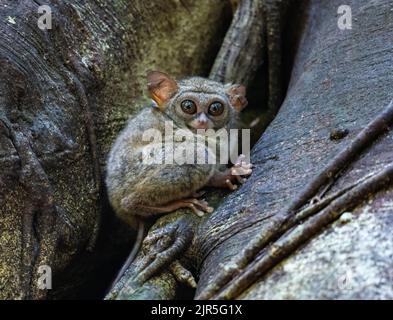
(64, 95)
(340, 81)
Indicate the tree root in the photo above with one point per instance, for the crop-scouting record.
(41, 213)
(241, 52)
(80, 93)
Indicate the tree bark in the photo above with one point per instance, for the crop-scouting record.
(64, 95)
(340, 81)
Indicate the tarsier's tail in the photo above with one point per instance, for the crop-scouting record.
(134, 252)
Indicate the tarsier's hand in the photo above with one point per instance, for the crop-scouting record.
(232, 177)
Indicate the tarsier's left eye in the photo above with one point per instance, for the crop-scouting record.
(188, 106)
(216, 109)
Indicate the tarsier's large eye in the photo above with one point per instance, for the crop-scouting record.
(188, 106)
(216, 109)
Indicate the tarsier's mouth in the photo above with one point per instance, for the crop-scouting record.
(200, 126)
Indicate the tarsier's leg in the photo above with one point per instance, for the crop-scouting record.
(166, 187)
(232, 176)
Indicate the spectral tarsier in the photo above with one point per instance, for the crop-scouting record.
(137, 189)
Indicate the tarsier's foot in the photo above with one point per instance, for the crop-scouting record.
(200, 207)
(161, 248)
(233, 176)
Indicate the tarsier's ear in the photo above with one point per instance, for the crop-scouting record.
(161, 87)
(237, 96)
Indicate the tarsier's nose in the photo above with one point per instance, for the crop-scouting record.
(202, 119)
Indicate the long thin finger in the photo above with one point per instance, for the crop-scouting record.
(230, 185)
(199, 213)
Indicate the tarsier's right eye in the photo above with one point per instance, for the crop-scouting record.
(188, 106)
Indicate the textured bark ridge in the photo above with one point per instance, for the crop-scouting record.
(64, 95)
